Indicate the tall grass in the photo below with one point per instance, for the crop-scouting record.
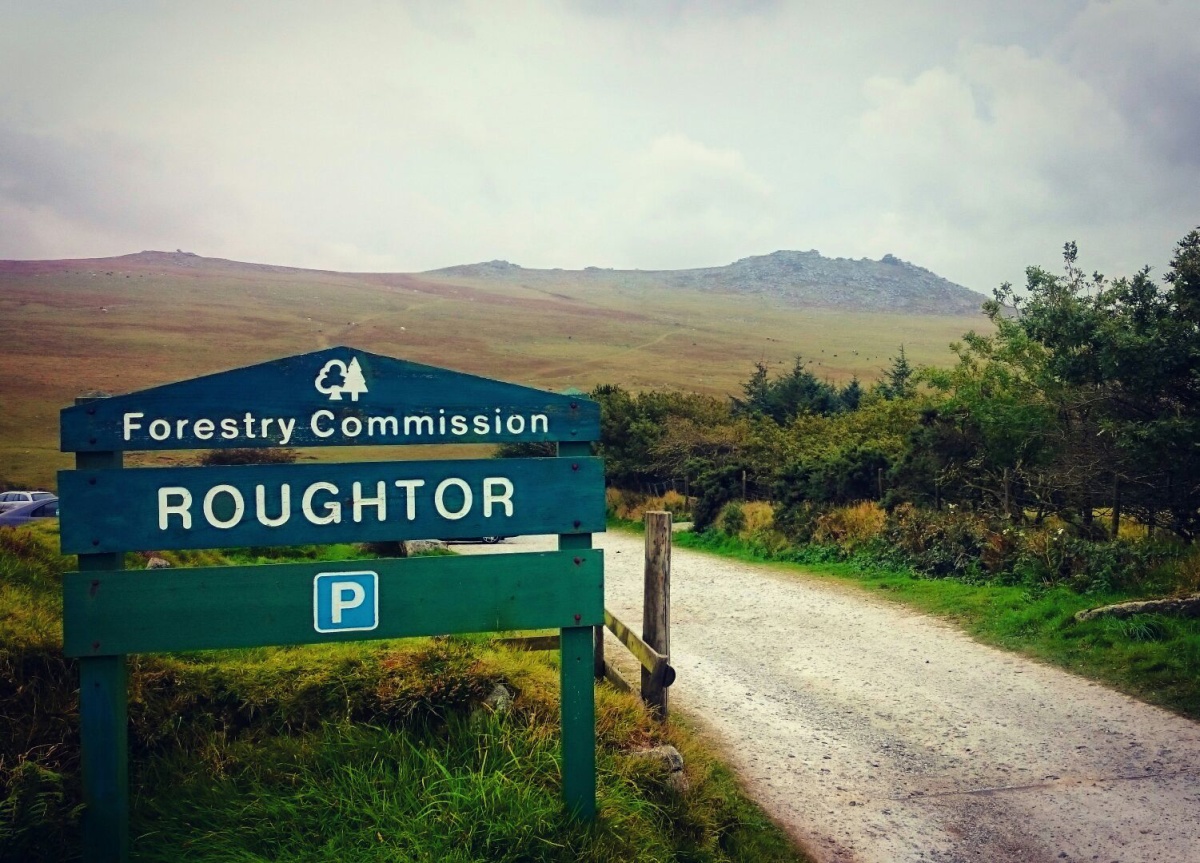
(366, 751)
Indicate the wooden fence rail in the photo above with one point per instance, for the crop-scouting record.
(658, 665)
(531, 642)
(652, 649)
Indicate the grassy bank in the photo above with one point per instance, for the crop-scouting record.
(1154, 657)
(371, 751)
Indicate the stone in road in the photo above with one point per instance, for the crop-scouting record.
(874, 733)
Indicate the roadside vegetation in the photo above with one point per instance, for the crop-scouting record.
(1050, 469)
(373, 751)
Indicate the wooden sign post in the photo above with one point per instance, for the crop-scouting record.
(336, 397)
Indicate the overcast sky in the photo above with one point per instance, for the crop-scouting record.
(968, 136)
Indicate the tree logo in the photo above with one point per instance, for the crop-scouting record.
(337, 377)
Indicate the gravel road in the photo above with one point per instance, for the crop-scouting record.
(874, 733)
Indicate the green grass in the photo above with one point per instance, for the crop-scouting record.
(480, 787)
(1153, 657)
(294, 553)
(366, 751)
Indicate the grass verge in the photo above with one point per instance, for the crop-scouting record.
(1154, 657)
(367, 751)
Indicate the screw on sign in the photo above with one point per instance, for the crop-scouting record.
(336, 397)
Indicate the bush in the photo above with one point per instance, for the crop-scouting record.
(1185, 577)
(733, 519)
(714, 489)
(249, 455)
(939, 544)
(633, 505)
(760, 517)
(851, 528)
(527, 449)
(797, 520)
(1056, 557)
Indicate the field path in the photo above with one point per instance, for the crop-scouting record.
(874, 733)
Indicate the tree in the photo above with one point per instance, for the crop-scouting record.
(1116, 364)
(355, 382)
(649, 437)
(791, 394)
(897, 380)
(851, 395)
(757, 391)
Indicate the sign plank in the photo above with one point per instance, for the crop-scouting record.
(298, 504)
(108, 613)
(335, 397)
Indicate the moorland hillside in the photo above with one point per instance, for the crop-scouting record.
(124, 323)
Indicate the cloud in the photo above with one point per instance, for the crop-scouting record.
(994, 160)
(413, 135)
(681, 199)
(61, 191)
(1144, 54)
(673, 12)
(1004, 136)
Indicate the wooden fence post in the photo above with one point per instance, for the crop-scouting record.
(103, 720)
(578, 688)
(656, 605)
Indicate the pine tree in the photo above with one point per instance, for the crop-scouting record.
(355, 382)
(851, 395)
(757, 390)
(897, 381)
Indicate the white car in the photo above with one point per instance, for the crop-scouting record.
(10, 499)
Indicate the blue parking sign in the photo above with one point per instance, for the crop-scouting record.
(346, 601)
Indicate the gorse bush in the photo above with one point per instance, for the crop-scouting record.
(851, 528)
(954, 544)
(1188, 572)
(633, 506)
(760, 517)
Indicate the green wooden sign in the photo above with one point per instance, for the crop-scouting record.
(336, 397)
(150, 611)
(296, 504)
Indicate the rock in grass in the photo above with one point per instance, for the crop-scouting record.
(500, 699)
(670, 758)
(425, 546)
(158, 563)
(1180, 606)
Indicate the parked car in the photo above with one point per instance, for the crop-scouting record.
(30, 511)
(10, 499)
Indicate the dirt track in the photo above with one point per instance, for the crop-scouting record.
(877, 734)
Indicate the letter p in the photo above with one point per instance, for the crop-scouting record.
(346, 595)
